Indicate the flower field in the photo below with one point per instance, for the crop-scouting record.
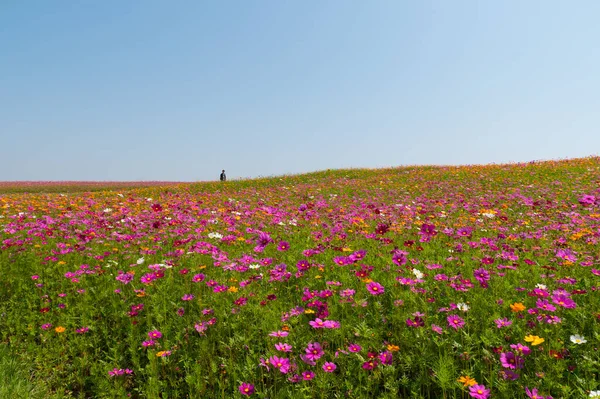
(416, 282)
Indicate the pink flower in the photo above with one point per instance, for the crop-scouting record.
(455, 321)
(155, 334)
(437, 329)
(375, 288)
(504, 322)
(317, 323)
(510, 361)
(479, 392)
(281, 363)
(314, 351)
(308, 375)
(329, 367)
(246, 389)
(354, 348)
(282, 347)
(279, 334)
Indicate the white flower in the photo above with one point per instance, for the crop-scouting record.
(488, 215)
(541, 286)
(462, 306)
(140, 261)
(595, 394)
(578, 339)
(215, 235)
(254, 266)
(418, 274)
(107, 210)
(149, 199)
(120, 195)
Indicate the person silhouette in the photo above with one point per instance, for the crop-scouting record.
(223, 177)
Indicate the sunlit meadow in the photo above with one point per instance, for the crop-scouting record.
(417, 282)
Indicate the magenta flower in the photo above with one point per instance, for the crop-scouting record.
(375, 288)
(115, 372)
(279, 334)
(329, 367)
(455, 321)
(283, 246)
(281, 363)
(370, 364)
(155, 334)
(314, 351)
(317, 323)
(246, 389)
(308, 375)
(510, 361)
(522, 349)
(564, 301)
(545, 305)
(386, 358)
(282, 347)
(354, 348)
(437, 329)
(504, 322)
(479, 392)
(187, 297)
(481, 275)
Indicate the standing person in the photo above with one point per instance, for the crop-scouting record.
(223, 177)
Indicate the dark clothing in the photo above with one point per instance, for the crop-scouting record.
(223, 177)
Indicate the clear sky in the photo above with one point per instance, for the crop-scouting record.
(178, 90)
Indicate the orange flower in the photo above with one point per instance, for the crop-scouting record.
(467, 381)
(60, 329)
(393, 348)
(517, 307)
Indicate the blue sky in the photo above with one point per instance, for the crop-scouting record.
(161, 90)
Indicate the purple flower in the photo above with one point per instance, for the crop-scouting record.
(283, 246)
(386, 357)
(481, 275)
(187, 297)
(510, 361)
(437, 329)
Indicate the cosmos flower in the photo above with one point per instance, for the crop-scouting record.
(246, 389)
(329, 367)
(534, 339)
(479, 392)
(455, 321)
(578, 339)
(375, 288)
